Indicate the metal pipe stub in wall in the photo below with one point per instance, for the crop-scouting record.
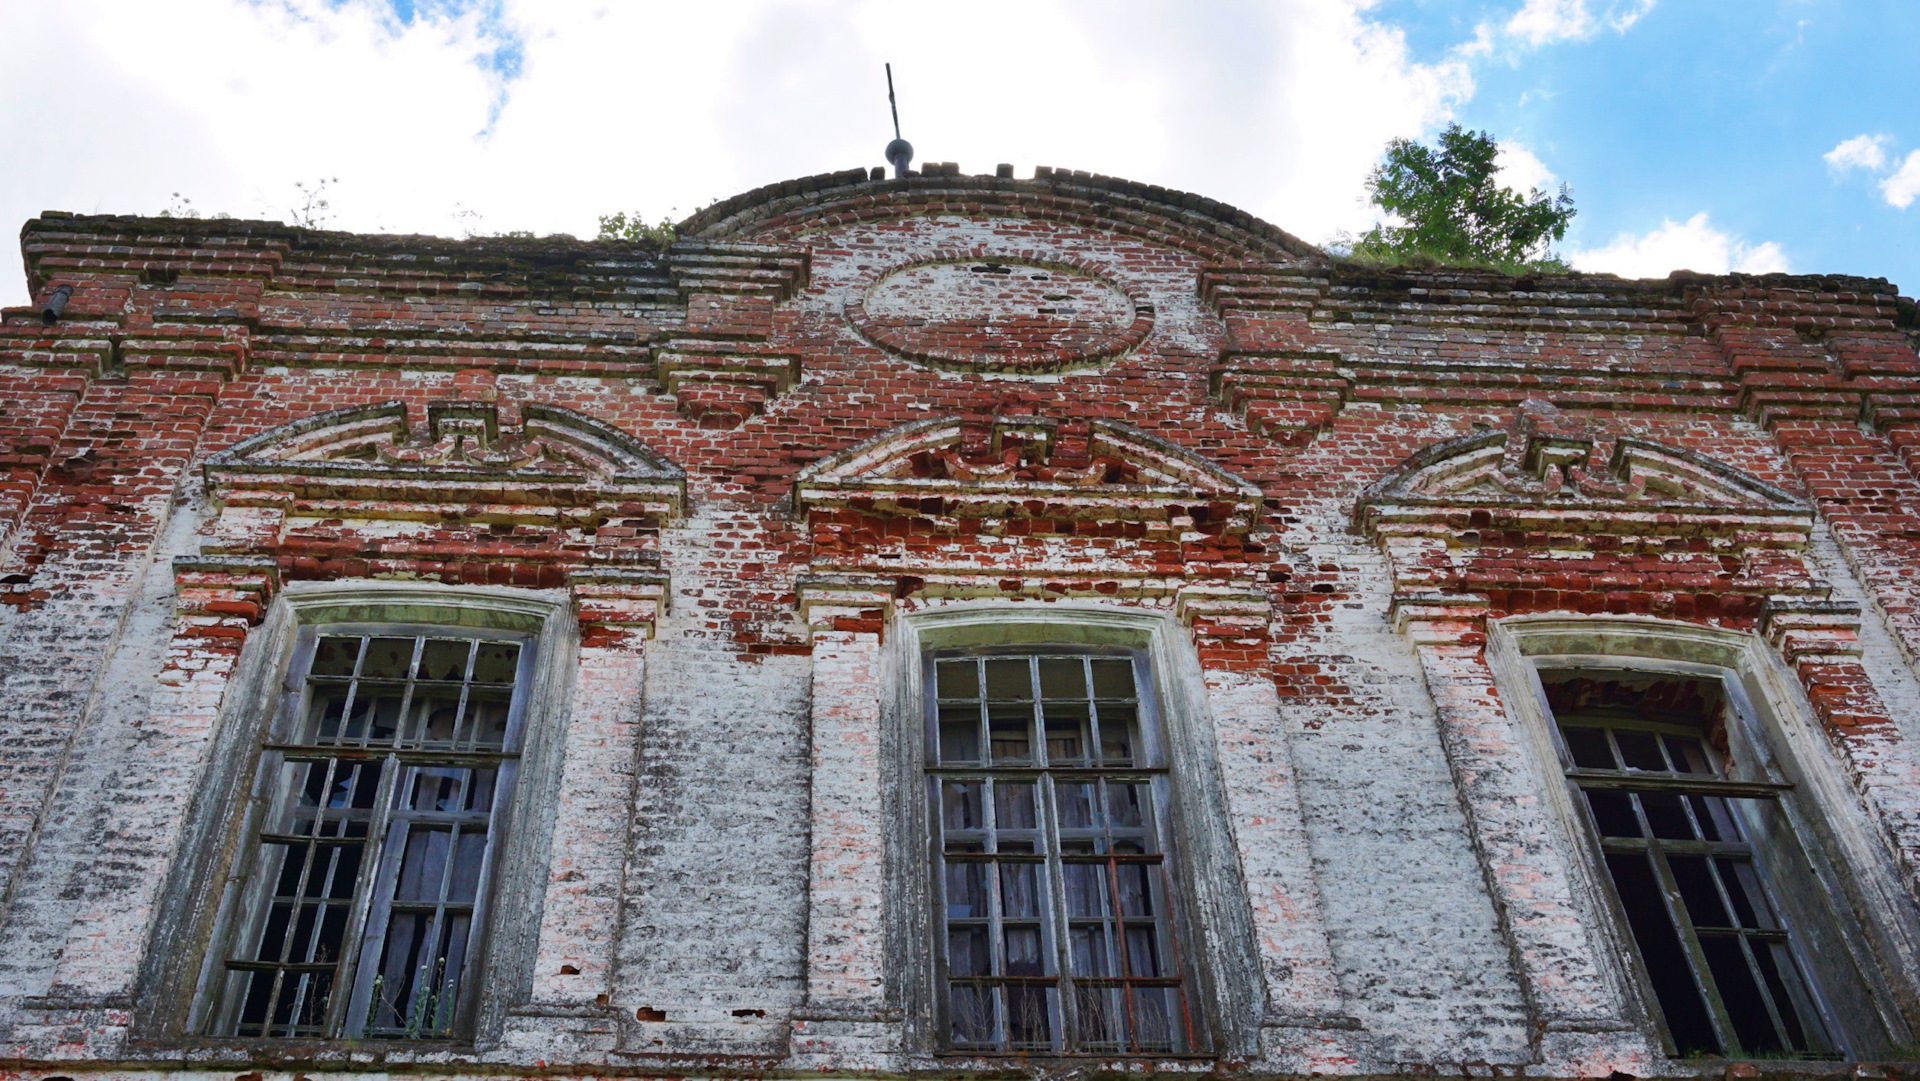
(56, 303)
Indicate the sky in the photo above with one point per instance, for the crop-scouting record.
(1710, 135)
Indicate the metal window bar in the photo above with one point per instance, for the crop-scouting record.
(1724, 968)
(380, 792)
(1048, 795)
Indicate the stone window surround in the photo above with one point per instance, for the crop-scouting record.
(172, 996)
(1214, 915)
(1876, 915)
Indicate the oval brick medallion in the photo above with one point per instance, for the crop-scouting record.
(983, 313)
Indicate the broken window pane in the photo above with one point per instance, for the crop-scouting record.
(350, 826)
(1722, 969)
(959, 679)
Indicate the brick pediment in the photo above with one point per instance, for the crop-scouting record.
(1027, 467)
(1525, 475)
(1527, 521)
(462, 453)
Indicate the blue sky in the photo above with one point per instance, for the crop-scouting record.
(1720, 135)
(1721, 108)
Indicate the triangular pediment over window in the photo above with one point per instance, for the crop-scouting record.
(1534, 474)
(460, 453)
(1009, 467)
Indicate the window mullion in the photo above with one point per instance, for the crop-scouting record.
(284, 983)
(373, 907)
(996, 914)
(1766, 992)
(462, 722)
(943, 965)
(1095, 749)
(1767, 911)
(405, 718)
(1043, 759)
(466, 987)
(1690, 943)
(1116, 920)
(302, 897)
(439, 927)
(256, 900)
(1068, 1026)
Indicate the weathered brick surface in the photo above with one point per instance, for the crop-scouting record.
(841, 400)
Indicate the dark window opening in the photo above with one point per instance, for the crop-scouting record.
(1048, 793)
(1649, 759)
(364, 876)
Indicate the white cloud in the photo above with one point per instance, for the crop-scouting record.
(1516, 167)
(1867, 152)
(1903, 186)
(611, 109)
(1691, 245)
(1480, 45)
(1544, 22)
(1622, 16)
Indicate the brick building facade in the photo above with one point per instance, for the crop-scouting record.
(950, 624)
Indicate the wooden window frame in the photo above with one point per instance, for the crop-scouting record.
(1708, 804)
(372, 901)
(1860, 922)
(175, 1005)
(1062, 991)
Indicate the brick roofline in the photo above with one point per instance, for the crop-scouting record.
(1675, 284)
(830, 195)
(266, 233)
(827, 195)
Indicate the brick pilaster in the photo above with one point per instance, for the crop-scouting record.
(575, 956)
(849, 1014)
(1575, 1005)
(218, 601)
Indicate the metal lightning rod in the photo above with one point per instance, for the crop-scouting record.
(891, 103)
(899, 152)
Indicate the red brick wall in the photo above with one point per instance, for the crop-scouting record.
(782, 330)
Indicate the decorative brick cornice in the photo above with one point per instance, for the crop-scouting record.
(845, 602)
(612, 603)
(1804, 628)
(1438, 616)
(1265, 288)
(715, 364)
(721, 383)
(737, 269)
(1533, 480)
(460, 498)
(1225, 608)
(1534, 520)
(1288, 395)
(225, 587)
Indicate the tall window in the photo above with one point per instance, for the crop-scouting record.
(1047, 781)
(362, 886)
(1684, 846)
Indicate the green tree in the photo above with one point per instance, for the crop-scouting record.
(1452, 210)
(634, 229)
